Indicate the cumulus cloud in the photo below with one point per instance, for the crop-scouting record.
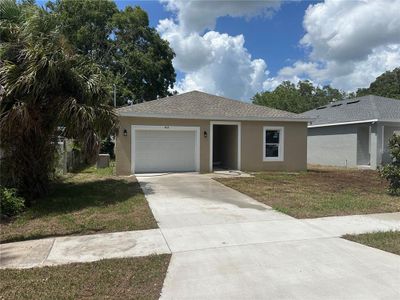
(214, 62)
(231, 71)
(349, 30)
(198, 15)
(350, 42)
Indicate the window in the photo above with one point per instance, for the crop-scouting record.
(273, 144)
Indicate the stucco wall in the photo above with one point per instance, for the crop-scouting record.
(295, 148)
(333, 146)
(337, 145)
(123, 145)
(388, 130)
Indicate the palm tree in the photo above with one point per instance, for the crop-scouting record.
(46, 86)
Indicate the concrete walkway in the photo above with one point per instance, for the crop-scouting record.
(86, 248)
(226, 245)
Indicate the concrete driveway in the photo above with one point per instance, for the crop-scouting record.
(226, 245)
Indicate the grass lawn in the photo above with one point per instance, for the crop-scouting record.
(387, 241)
(91, 201)
(319, 192)
(127, 278)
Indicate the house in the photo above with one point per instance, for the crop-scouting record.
(353, 132)
(200, 132)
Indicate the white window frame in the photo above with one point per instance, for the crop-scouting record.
(280, 145)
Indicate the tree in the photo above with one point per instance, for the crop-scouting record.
(48, 88)
(298, 98)
(142, 60)
(385, 85)
(86, 25)
(131, 54)
(391, 172)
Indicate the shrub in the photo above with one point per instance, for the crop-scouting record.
(10, 204)
(107, 146)
(391, 172)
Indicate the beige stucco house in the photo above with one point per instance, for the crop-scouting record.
(200, 132)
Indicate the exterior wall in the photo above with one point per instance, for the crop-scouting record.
(295, 144)
(123, 143)
(363, 145)
(333, 146)
(375, 157)
(295, 147)
(337, 145)
(388, 129)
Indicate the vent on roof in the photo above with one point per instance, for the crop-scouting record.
(352, 102)
(336, 105)
(321, 107)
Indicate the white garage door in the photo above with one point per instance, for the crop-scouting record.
(170, 149)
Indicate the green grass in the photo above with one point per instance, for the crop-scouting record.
(91, 201)
(109, 171)
(127, 278)
(387, 241)
(319, 192)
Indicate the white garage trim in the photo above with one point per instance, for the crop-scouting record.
(239, 139)
(135, 128)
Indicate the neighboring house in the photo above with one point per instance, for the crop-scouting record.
(353, 132)
(200, 132)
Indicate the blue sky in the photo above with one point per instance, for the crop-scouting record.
(274, 39)
(238, 48)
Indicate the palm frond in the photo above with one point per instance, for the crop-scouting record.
(9, 11)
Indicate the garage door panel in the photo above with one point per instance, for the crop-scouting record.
(165, 151)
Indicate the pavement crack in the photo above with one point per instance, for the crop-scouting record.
(48, 253)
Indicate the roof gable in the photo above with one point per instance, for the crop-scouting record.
(358, 109)
(199, 105)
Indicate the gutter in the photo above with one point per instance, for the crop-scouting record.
(343, 123)
(354, 122)
(216, 118)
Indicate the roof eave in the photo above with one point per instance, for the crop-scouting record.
(282, 119)
(344, 123)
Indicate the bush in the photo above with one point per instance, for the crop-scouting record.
(391, 172)
(10, 204)
(107, 147)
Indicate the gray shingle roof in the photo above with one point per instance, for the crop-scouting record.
(358, 109)
(199, 105)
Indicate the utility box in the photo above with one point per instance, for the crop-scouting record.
(103, 161)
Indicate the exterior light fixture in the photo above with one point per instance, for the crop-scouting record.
(125, 132)
(205, 134)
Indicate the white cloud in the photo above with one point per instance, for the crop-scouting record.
(192, 51)
(351, 43)
(350, 30)
(198, 15)
(214, 62)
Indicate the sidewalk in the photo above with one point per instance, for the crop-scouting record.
(86, 248)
